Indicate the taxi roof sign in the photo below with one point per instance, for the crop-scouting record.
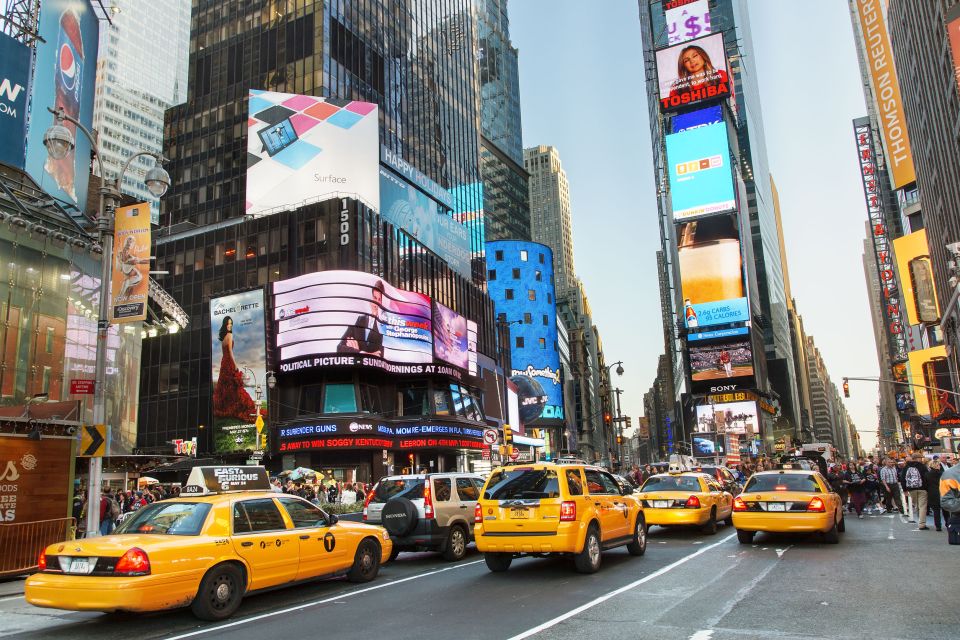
(207, 480)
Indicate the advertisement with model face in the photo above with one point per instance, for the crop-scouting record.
(65, 73)
(305, 149)
(718, 363)
(711, 272)
(238, 360)
(450, 337)
(686, 19)
(352, 314)
(728, 417)
(131, 264)
(692, 72)
(698, 163)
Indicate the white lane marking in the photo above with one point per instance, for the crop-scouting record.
(16, 597)
(890, 532)
(742, 593)
(636, 583)
(705, 634)
(780, 552)
(307, 605)
(698, 542)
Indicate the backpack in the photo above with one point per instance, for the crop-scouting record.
(912, 478)
(114, 509)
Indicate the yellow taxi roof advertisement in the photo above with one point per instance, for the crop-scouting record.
(228, 478)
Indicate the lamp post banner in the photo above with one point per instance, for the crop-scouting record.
(131, 264)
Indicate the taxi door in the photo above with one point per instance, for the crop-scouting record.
(322, 551)
(261, 538)
(602, 491)
(723, 499)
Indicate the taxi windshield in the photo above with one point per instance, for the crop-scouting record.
(783, 482)
(166, 518)
(672, 483)
(528, 483)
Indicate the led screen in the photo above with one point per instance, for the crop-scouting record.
(14, 92)
(717, 363)
(686, 19)
(698, 163)
(728, 417)
(706, 445)
(692, 72)
(450, 337)
(699, 118)
(304, 149)
(711, 272)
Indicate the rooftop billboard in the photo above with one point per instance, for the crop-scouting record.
(692, 73)
(698, 163)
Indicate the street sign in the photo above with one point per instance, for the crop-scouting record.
(93, 441)
(490, 436)
(515, 454)
(259, 423)
(485, 454)
(82, 387)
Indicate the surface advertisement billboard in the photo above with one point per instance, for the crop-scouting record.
(728, 417)
(698, 162)
(707, 445)
(238, 363)
(64, 77)
(303, 149)
(14, 92)
(406, 207)
(928, 368)
(952, 20)
(699, 118)
(450, 337)
(886, 90)
(131, 264)
(916, 278)
(686, 19)
(692, 72)
(711, 272)
(714, 364)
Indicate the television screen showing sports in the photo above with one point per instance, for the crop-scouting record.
(717, 363)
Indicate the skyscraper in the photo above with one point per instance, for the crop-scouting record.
(141, 72)
(550, 212)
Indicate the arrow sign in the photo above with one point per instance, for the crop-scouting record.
(93, 440)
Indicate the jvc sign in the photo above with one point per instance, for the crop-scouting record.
(14, 91)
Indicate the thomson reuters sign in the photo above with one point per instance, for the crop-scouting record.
(886, 89)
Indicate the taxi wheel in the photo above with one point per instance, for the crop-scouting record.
(219, 594)
(832, 536)
(588, 560)
(729, 520)
(498, 562)
(638, 546)
(456, 544)
(366, 564)
(842, 524)
(711, 527)
(745, 537)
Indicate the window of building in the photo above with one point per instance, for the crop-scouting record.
(339, 398)
(498, 255)
(541, 259)
(310, 398)
(51, 332)
(531, 294)
(412, 400)
(523, 255)
(538, 276)
(508, 294)
(549, 298)
(442, 405)
(516, 274)
(519, 342)
(370, 398)
(527, 318)
(543, 343)
(492, 274)
(546, 320)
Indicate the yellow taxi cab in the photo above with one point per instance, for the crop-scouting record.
(788, 501)
(691, 499)
(545, 508)
(228, 534)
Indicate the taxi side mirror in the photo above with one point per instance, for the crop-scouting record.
(626, 490)
(332, 519)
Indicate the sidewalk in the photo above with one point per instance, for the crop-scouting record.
(11, 587)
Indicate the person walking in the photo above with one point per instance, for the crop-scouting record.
(856, 485)
(950, 502)
(914, 481)
(890, 483)
(934, 472)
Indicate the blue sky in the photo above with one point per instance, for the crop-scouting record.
(582, 90)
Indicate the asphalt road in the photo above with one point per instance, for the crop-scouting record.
(884, 581)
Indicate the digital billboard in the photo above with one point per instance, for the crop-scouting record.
(728, 417)
(407, 208)
(450, 337)
(14, 92)
(952, 20)
(699, 118)
(718, 363)
(65, 73)
(916, 278)
(238, 362)
(711, 272)
(698, 163)
(303, 148)
(707, 445)
(131, 263)
(686, 19)
(692, 72)
(928, 368)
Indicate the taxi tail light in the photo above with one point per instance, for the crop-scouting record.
(568, 511)
(739, 504)
(133, 563)
(366, 502)
(477, 513)
(42, 561)
(693, 502)
(427, 501)
(816, 505)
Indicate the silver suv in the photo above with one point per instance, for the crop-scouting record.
(431, 511)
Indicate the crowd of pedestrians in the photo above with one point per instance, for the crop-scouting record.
(345, 493)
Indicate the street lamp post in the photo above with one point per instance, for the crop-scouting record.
(59, 141)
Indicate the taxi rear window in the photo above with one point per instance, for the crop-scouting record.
(783, 482)
(409, 488)
(671, 483)
(522, 484)
(167, 518)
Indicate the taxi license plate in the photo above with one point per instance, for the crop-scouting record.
(776, 506)
(82, 566)
(661, 504)
(519, 514)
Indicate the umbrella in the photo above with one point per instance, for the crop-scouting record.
(300, 473)
(147, 480)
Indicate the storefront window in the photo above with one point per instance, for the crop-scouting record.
(441, 403)
(340, 398)
(413, 400)
(310, 399)
(370, 399)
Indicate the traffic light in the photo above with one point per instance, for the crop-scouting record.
(507, 447)
(263, 440)
(846, 388)
(619, 439)
(607, 418)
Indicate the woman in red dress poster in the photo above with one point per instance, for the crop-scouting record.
(230, 399)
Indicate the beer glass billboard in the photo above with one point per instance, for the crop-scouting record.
(238, 362)
(711, 272)
(692, 73)
(698, 164)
